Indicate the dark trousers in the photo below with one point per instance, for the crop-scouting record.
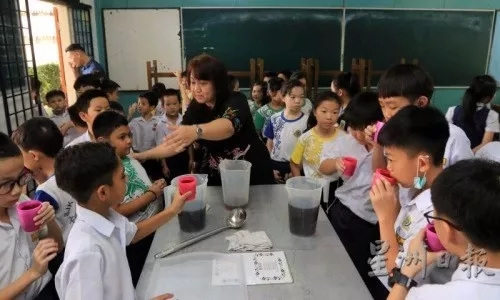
(49, 291)
(178, 165)
(153, 168)
(356, 235)
(283, 167)
(136, 255)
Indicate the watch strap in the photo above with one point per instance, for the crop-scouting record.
(399, 278)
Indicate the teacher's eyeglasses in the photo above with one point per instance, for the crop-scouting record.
(428, 215)
(22, 180)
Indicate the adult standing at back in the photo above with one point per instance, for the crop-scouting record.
(81, 63)
(220, 121)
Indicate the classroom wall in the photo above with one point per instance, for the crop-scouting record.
(443, 97)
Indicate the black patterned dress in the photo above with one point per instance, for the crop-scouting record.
(244, 144)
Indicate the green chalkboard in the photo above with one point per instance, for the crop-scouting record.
(451, 45)
(280, 36)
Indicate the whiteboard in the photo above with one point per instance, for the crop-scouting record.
(135, 36)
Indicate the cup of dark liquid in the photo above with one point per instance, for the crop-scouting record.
(383, 174)
(350, 164)
(193, 215)
(304, 196)
(432, 239)
(26, 211)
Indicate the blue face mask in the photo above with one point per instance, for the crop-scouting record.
(419, 182)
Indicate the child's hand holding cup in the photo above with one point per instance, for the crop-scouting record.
(347, 165)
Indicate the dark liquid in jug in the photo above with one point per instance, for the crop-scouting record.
(302, 221)
(191, 221)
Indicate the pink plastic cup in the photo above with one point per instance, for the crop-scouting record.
(350, 164)
(26, 211)
(383, 174)
(432, 239)
(378, 127)
(187, 183)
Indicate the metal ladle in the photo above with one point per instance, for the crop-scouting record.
(234, 220)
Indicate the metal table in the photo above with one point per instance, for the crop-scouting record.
(320, 266)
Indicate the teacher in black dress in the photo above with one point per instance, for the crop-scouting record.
(220, 121)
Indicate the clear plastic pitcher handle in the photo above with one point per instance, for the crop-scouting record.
(326, 189)
(168, 192)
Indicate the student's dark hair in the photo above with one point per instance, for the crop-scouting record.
(54, 93)
(109, 86)
(417, 130)
(7, 147)
(363, 110)
(206, 67)
(298, 75)
(184, 74)
(349, 82)
(270, 74)
(263, 86)
(322, 97)
(233, 80)
(289, 85)
(151, 97)
(74, 116)
(82, 168)
(286, 73)
(466, 194)
(482, 89)
(83, 101)
(405, 80)
(39, 134)
(106, 122)
(35, 84)
(87, 80)
(116, 106)
(74, 47)
(172, 92)
(158, 88)
(275, 84)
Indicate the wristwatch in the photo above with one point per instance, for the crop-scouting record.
(396, 277)
(199, 131)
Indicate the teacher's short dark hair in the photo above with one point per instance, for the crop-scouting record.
(206, 67)
(75, 47)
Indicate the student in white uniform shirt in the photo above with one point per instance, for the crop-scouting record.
(413, 142)
(144, 131)
(89, 104)
(489, 151)
(40, 140)
(473, 116)
(94, 175)
(307, 104)
(466, 218)
(407, 84)
(143, 199)
(56, 100)
(180, 163)
(285, 128)
(24, 270)
(351, 214)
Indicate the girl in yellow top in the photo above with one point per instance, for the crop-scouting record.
(322, 130)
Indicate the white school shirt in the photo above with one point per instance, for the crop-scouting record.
(489, 151)
(95, 264)
(143, 133)
(85, 137)
(59, 120)
(284, 134)
(307, 106)
(461, 286)
(457, 146)
(355, 192)
(162, 129)
(16, 251)
(62, 202)
(492, 123)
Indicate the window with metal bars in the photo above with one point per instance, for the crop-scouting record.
(18, 89)
(82, 29)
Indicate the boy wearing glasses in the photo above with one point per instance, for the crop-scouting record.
(40, 140)
(413, 142)
(466, 218)
(23, 273)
